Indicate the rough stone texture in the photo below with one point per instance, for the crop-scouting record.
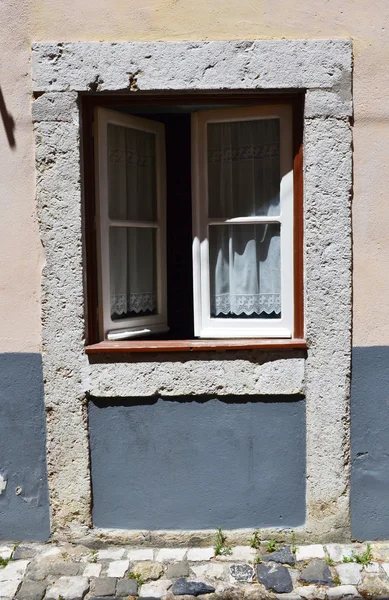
(8, 589)
(110, 554)
(242, 572)
(209, 571)
(374, 585)
(238, 553)
(23, 551)
(311, 592)
(155, 589)
(117, 568)
(275, 577)
(199, 554)
(350, 573)
(14, 570)
(319, 66)
(317, 572)
(308, 552)
(191, 588)
(236, 373)
(104, 586)
(186, 65)
(290, 596)
(148, 570)
(92, 570)
(140, 554)
(127, 587)
(342, 591)
(171, 554)
(69, 588)
(283, 556)
(31, 590)
(380, 551)
(180, 569)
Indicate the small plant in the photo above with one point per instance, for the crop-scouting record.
(329, 561)
(336, 580)
(93, 558)
(255, 541)
(220, 544)
(347, 559)
(271, 546)
(139, 579)
(294, 546)
(257, 560)
(4, 562)
(365, 558)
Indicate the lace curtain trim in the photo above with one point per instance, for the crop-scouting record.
(125, 303)
(246, 304)
(244, 152)
(134, 159)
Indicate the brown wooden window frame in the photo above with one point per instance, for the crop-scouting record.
(89, 104)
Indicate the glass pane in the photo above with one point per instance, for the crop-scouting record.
(132, 256)
(131, 174)
(245, 271)
(244, 168)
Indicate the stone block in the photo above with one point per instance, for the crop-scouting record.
(6, 552)
(242, 572)
(104, 586)
(275, 577)
(308, 552)
(140, 554)
(171, 554)
(311, 592)
(317, 572)
(31, 590)
(8, 589)
(148, 570)
(127, 587)
(374, 585)
(210, 570)
(92, 570)
(155, 589)
(54, 107)
(69, 588)
(342, 591)
(283, 556)
(23, 551)
(349, 573)
(182, 587)
(238, 554)
(338, 551)
(110, 554)
(118, 568)
(176, 570)
(199, 554)
(14, 570)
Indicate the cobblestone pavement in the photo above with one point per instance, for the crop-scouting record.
(70, 572)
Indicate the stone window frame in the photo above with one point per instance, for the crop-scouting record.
(323, 70)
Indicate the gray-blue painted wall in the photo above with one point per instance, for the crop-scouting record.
(191, 463)
(24, 515)
(370, 443)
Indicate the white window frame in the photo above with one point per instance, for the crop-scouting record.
(137, 326)
(205, 326)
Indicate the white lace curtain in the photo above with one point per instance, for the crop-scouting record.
(243, 181)
(132, 197)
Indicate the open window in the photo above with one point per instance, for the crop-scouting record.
(196, 222)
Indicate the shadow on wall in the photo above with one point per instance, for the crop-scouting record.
(8, 122)
(24, 501)
(198, 463)
(370, 443)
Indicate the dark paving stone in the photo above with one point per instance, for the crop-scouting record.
(283, 556)
(275, 577)
(317, 572)
(180, 569)
(127, 587)
(104, 586)
(182, 587)
(31, 590)
(242, 572)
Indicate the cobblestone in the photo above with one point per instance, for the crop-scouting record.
(48, 571)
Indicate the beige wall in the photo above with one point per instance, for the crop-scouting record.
(366, 22)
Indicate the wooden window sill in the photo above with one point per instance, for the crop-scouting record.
(124, 347)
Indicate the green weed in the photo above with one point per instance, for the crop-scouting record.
(220, 547)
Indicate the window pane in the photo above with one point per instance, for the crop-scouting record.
(244, 168)
(132, 255)
(131, 174)
(245, 271)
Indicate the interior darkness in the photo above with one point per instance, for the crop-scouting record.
(177, 121)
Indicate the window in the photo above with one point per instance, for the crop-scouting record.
(241, 242)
